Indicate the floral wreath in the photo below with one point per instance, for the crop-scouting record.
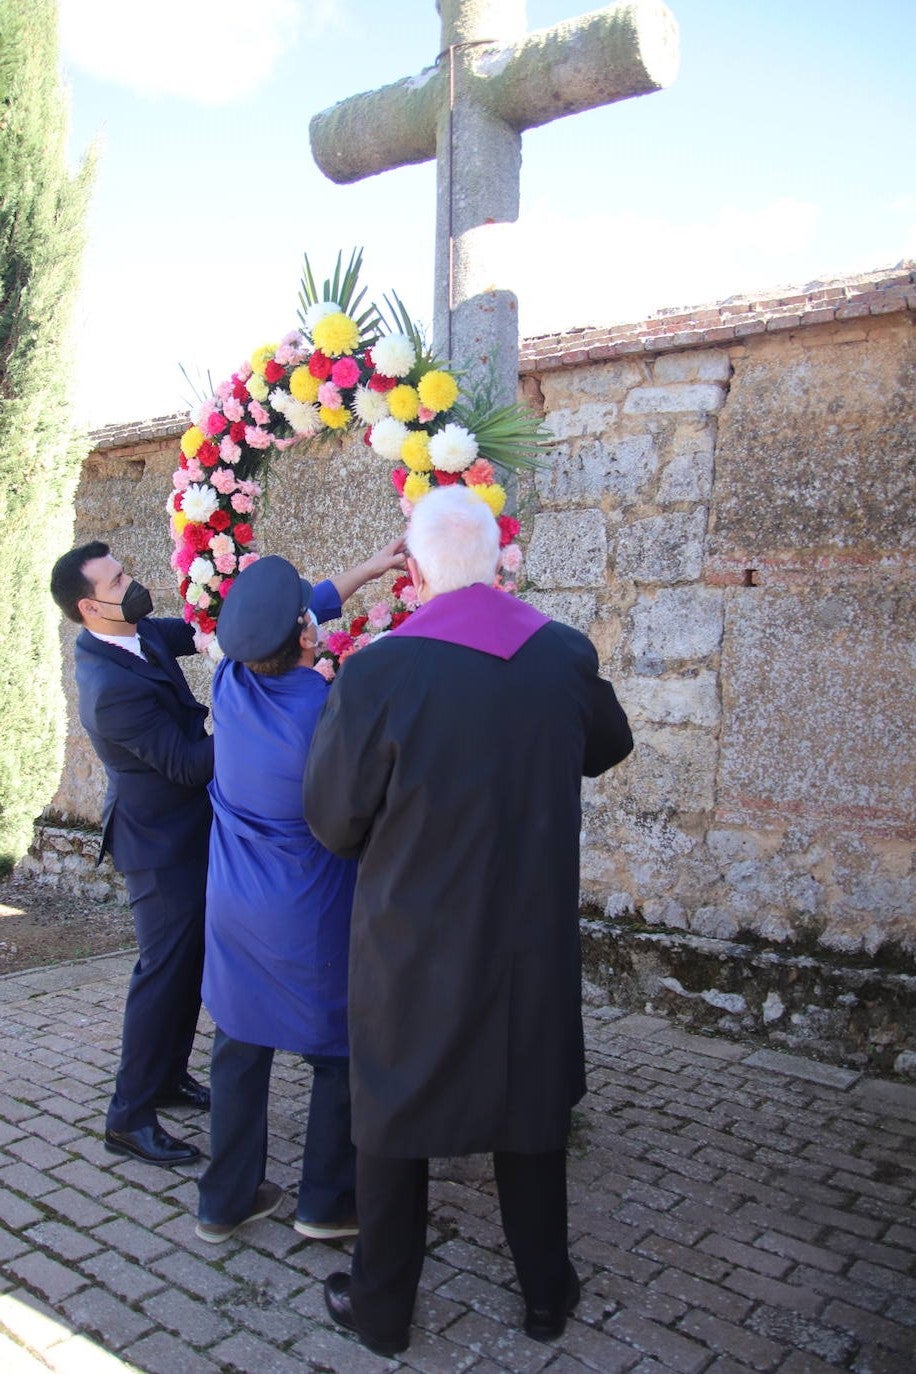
(342, 370)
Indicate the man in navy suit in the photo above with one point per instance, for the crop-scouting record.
(148, 730)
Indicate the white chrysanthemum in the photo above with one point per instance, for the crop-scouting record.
(369, 406)
(394, 355)
(200, 571)
(387, 437)
(199, 503)
(214, 652)
(303, 417)
(318, 311)
(453, 449)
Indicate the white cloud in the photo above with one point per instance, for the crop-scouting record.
(209, 52)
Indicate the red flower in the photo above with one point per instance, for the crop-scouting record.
(243, 534)
(367, 358)
(184, 584)
(320, 365)
(240, 390)
(345, 372)
(398, 618)
(446, 479)
(398, 478)
(358, 624)
(196, 536)
(273, 371)
(400, 585)
(367, 437)
(219, 520)
(206, 623)
(182, 461)
(177, 500)
(237, 431)
(216, 423)
(377, 382)
(508, 529)
(339, 642)
(208, 454)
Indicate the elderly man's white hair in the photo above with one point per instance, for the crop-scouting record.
(454, 537)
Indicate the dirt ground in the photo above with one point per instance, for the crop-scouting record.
(39, 925)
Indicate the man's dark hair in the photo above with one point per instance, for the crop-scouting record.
(69, 584)
(283, 660)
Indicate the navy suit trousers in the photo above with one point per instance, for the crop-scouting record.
(163, 1000)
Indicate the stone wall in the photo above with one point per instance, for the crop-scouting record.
(728, 513)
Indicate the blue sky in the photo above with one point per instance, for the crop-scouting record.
(781, 154)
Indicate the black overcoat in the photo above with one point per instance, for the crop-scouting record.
(455, 777)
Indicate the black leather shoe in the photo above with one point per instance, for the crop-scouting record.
(186, 1093)
(337, 1301)
(548, 1323)
(152, 1145)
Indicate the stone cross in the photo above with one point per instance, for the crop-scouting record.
(491, 81)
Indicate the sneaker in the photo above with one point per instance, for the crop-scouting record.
(266, 1201)
(326, 1230)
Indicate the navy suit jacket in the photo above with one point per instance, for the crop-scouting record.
(148, 730)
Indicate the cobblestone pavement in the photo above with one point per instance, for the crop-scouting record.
(731, 1208)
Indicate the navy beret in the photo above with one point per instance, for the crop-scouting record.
(262, 609)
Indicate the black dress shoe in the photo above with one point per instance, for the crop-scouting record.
(152, 1145)
(548, 1323)
(337, 1301)
(187, 1092)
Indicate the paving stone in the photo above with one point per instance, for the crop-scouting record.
(62, 1241)
(121, 1276)
(673, 1350)
(106, 1318)
(195, 1322)
(131, 1240)
(203, 1280)
(809, 1069)
(508, 1347)
(162, 1353)
(76, 1207)
(799, 1332)
(52, 1280)
(746, 1346)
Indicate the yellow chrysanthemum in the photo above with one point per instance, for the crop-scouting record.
(303, 386)
(437, 390)
(334, 419)
(179, 520)
(403, 402)
(415, 451)
(494, 495)
(336, 334)
(416, 487)
(257, 387)
(191, 441)
(259, 358)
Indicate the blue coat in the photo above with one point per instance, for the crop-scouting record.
(148, 730)
(278, 904)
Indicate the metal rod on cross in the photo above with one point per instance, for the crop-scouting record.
(491, 81)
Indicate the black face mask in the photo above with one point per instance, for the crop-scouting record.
(135, 603)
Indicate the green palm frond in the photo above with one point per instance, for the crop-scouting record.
(402, 323)
(341, 288)
(513, 436)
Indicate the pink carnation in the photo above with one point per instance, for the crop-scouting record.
(379, 615)
(224, 480)
(187, 613)
(406, 507)
(247, 559)
(229, 451)
(241, 503)
(244, 372)
(184, 556)
(220, 545)
(180, 479)
(216, 423)
(339, 642)
(225, 587)
(326, 668)
(233, 409)
(361, 641)
(203, 601)
(256, 438)
(224, 563)
(345, 372)
(224, 391)
(424, 415)
(248, 487)
(328, 395)
(204, 413)
(195, 471)
(258, 413)
(410, 598)
(511, 558)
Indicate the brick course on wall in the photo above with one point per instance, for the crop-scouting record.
(727, 511)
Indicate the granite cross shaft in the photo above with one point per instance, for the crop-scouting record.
(491, 81)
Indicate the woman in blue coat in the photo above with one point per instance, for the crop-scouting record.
(278, 906)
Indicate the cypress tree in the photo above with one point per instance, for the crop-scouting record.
(42, 219)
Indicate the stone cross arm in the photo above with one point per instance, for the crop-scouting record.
(625, 50)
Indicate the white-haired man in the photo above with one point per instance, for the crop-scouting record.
(457, 747)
